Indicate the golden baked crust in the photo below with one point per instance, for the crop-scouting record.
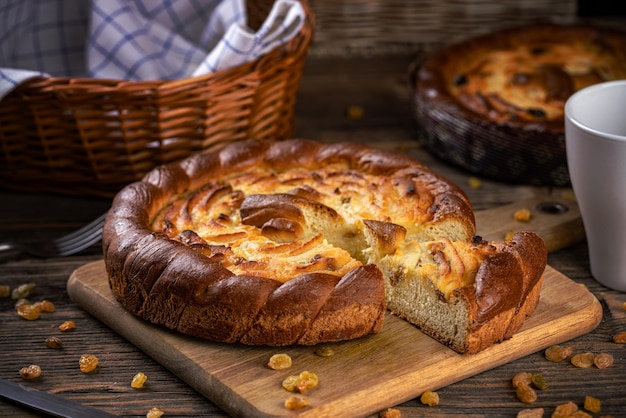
(494, 104)
(277, 243)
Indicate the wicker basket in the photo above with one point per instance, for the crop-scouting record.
(92, 137)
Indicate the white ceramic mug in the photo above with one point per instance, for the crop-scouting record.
(595, 138)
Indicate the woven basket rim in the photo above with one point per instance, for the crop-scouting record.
(89, 136)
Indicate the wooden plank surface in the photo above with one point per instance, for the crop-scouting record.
(362, 377)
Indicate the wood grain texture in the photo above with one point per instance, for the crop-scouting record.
(391, 367)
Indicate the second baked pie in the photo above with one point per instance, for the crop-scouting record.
(494, 104)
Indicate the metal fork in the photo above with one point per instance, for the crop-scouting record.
(66, 245)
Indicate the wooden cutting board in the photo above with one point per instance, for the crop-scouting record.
(363, 376)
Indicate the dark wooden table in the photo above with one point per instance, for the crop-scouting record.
(330, 88)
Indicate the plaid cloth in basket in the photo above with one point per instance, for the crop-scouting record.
(134, 39)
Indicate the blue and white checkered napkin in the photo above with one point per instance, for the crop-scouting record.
(134, 39)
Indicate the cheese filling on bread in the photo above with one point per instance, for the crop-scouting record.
(282, 224)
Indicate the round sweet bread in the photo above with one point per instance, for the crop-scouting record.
(494, 104)
(299, 242)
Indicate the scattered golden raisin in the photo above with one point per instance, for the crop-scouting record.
(30, 372)
(54, 342)
(390, 413)
(296, 402)
(582, 360)
(526, 394)
(32, 311)
(557, 353)
(67, 326)
(355, 112)
(23, 291)
(279, 362)
(539, 382)
(324, 351)
(430, 398)
(154, 413)
(509, 235)
(307, 380)
(603, 360)
(5, 291)
(88, 363)
(531, 413)
(290, 383)
(474, 183)
(45, 306)
(620, 338)
(592, 404)
(522, 378)
(29, 312)
(565, 410)
(300, 383)
(138, 380)
(522, 215)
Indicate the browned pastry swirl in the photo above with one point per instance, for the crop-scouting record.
(293, 242)
(525, 76)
